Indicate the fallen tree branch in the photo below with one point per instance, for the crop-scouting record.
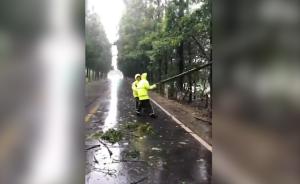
(184, 73)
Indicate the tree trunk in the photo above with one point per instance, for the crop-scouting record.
(159, 69)
(159, 74)
(190, 75)
(180, 64)
(180, 48)
(194, 83)
(88, 74)
(166, 66)
(210, 68)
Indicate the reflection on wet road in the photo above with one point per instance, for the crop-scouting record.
(170, 155)
(115, 78)
(103, 163)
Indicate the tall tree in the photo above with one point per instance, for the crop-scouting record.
(98, 48)
(167, 37)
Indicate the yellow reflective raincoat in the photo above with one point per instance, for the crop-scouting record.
(143, 87)
(134, 86)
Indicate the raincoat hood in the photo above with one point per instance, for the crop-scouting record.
(136, 75)
(144, 76)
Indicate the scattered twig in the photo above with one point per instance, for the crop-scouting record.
(97, 121)
(202, 119)
(109, 172)
(95, 160)
(92, 147)
(123, 160)
(131, 134)
(139, 181)
(109, 151)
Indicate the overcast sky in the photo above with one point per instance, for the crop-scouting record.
(110, 12)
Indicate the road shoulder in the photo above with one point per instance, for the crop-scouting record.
(189, 116)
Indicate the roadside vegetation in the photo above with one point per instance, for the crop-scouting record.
(165, 38)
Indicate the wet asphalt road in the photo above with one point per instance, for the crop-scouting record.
(170, 156)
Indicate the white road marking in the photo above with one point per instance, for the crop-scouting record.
(199, 139)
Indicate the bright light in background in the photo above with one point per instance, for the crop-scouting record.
(115, 75)
(114, 51)
(110, 12)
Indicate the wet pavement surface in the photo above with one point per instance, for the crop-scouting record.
(167, 155)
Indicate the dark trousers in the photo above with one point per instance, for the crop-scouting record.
(137, 103)
(146, 106)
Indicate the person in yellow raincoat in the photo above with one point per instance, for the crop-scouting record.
(144, 99)
(137, 78)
